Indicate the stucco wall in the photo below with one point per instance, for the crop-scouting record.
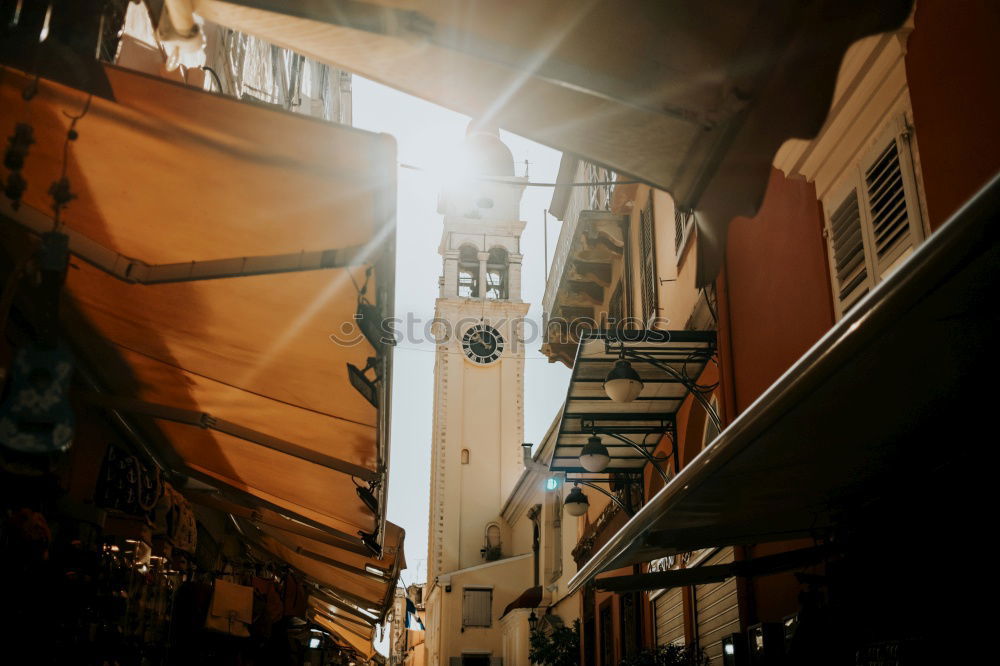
(952, 69)
(777, 283)
(507, 578)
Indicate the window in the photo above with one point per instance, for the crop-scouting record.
(477, 607)
(647, 261)
(492, 547)
(874, 219)
(465, 456)
(468, 272)
(607, 635)
(629, 625)
(497, 274)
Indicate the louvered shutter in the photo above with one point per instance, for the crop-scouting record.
(669, 613)
(477, 607)
(874, 221)
(647, 267)
(852, 277)
(889, 184)
(716, 610)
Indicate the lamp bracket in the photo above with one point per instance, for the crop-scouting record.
(697, 391)
(609, 495)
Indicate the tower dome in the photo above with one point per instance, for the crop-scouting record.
(485, 154)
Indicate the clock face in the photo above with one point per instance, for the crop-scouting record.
(483, 344)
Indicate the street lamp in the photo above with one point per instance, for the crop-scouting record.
(532, 621)
(623, 383)
(594, 456)
(576, 502)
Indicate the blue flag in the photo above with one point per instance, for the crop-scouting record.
(412, 621)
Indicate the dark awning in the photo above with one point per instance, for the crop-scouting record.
(868, 416)
(692, 97)
(669, 363)
(530, 598)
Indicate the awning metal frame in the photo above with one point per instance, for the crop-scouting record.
(359, 606)
(329, 597)
(323, 559)
(205, 420)
(288, 524)
(699, 575)
(644, 452)
(135, 271)
(611, 496)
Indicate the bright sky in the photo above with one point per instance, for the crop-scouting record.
(425, 135)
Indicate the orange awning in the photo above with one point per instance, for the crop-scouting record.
(345, 635)
(360, 581)
(218, 246)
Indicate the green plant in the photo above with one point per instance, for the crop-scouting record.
(668, 655)
(559, 647)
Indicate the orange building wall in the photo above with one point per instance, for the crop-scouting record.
(953, 70)
(774, 303)
(777, 286)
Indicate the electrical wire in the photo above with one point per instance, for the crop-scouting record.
(218, 81)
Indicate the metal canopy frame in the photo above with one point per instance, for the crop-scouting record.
(137, 271)
(669, 363)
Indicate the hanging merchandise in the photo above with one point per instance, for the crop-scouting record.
(118, 486)
(294, 596)
(36, 418)
(231, 611)
(268, 607)
(18, 144)
(183, 532)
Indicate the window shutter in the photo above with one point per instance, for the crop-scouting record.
(891, 199)
(679, 221)
(477, 607)
(454, 661)
(496, 661)
(847, 240)
(647, 268)
(876, 220)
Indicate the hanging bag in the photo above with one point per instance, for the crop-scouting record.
(231, 611)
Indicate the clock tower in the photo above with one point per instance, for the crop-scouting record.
(479, 368)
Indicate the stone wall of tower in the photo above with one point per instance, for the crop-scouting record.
(480, 409)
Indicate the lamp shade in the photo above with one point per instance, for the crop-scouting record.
(576, 502)
(594, 456)
(623, 383)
